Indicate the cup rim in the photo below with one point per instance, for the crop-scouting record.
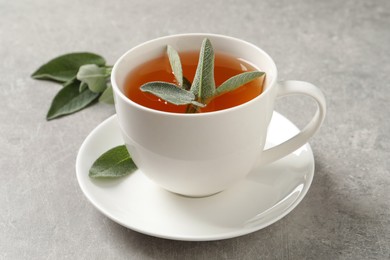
(118, 92)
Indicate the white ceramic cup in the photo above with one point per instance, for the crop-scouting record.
(202, 154)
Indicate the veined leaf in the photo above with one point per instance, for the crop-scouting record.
(94, 76)
(237, 81)
(65, 67)
(107, 96)
(69, 100)
(116, 162)
(203, 85)
(170, 93)
(174, 60)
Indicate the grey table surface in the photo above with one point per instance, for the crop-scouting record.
(341, 46)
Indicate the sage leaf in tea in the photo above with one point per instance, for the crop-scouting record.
(114, 163)
(95, 77)
(69, 100)
(174, 60)
(170, 93)
(203, 85)
(237, 81)
(107, 96)
(65, 67)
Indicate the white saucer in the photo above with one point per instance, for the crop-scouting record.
(265, 196)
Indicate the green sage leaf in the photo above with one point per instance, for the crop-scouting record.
(65, 67)
(94, 76)
(69, 100)
(114, 163)
(107, 96)
(237, 81)
(203, 85)
(170, 93)
(174, 60)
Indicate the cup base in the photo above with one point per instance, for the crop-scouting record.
(264, 197)
(195, 196)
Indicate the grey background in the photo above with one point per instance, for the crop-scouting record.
(341, 46)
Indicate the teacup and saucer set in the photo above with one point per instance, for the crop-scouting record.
(205, 176)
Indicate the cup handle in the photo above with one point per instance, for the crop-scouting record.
(292, 87)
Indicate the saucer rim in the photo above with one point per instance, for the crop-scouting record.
(218, 236)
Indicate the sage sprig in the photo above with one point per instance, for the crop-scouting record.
(84, 77)
(203, 89)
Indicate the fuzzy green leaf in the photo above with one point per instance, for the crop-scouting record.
(203, 85)
(107, 96)
(170, 93)
(237, 81)
(69, 100)
(65, 67)
(174, 60)
(114, 163)
(94, 76)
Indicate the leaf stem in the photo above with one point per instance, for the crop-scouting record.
(191, 109)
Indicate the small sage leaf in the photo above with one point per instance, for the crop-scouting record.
(69, 100)
(107, 96)
(65, 67)
(174, 60)
(237, 81)
(114, 163)
(94, 76)
(203, 85)
(169, 92)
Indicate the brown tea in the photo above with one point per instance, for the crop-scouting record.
(159, 69)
